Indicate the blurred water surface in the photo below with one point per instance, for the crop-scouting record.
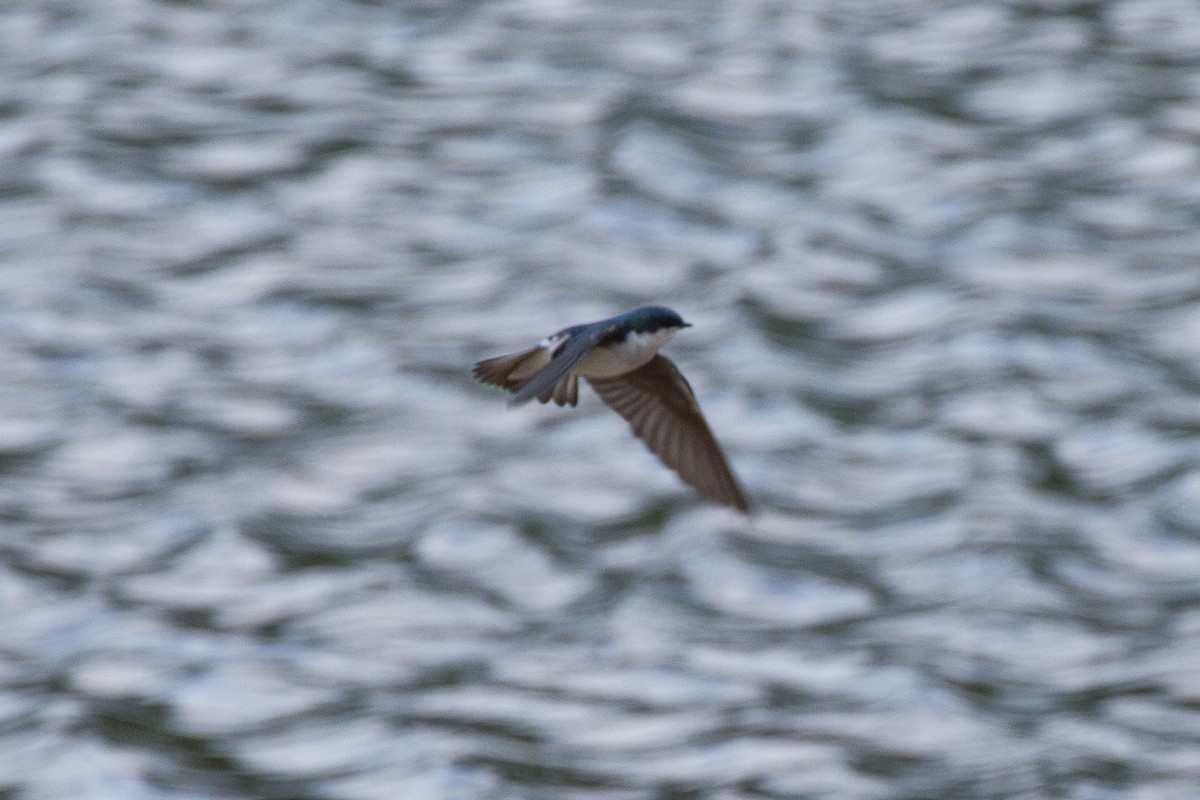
(263, 537)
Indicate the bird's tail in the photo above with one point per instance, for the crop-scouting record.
(506, 371)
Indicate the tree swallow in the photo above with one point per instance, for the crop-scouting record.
(619, 357)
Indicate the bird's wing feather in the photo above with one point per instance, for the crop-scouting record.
(657, 402)
(563, 362)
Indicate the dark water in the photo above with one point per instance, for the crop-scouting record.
(262, 537)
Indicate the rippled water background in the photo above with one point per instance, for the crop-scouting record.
(263, 537)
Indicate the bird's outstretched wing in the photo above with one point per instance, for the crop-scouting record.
(565, 360)
(659, 405)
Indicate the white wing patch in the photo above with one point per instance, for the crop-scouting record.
(552, 344)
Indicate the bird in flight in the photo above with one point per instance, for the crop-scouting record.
(619, 357)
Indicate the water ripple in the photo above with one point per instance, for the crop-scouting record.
(264, 537)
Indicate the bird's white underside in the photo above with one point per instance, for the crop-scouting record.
(603, 362)
(637, 349)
